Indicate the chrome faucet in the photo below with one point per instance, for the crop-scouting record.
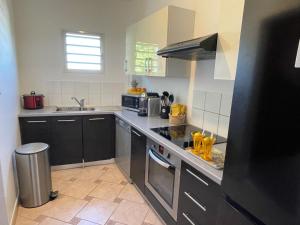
(81, 102)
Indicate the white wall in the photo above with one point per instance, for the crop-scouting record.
(39, 27)
(9, 108)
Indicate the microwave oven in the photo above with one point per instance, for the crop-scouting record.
(131, 102)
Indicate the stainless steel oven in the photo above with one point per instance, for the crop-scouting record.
(163, 176)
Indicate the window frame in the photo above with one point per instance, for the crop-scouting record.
(102, 45)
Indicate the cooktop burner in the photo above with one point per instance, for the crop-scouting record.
(181, 135)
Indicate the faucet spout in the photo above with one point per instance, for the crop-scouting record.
(80, 103)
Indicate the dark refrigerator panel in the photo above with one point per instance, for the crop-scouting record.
(262, 167)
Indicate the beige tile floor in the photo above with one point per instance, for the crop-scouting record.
(96, 195)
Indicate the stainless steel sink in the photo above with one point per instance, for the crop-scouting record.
(74, 109)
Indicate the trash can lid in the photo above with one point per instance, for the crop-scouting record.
(32, 148)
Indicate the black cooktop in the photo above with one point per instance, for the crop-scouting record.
(181, 135)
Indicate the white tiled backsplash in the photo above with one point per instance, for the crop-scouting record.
(59, 93)
(211, 111)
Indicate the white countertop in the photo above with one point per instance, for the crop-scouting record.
(51, 111)
(144, 125)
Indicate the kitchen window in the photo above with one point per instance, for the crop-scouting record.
(83, 52)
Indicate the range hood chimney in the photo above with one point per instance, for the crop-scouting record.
(195, 49)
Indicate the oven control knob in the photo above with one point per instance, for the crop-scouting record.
(169, 155)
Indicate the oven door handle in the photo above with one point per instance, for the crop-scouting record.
(159, 161)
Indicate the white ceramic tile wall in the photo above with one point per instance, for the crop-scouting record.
(95, 93)
(211, 122)
(199, 99)
(213, 102)
(197, 118)
(223, 126)
(226, 104)
(211, 111)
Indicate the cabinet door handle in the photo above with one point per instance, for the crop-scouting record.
(195, 201)
(137, 134)
(198, 178)
(126, 65)
(93, 119)
(37, 121)
(146, 65)
(150, 65)
(188, 219)
(66, 120)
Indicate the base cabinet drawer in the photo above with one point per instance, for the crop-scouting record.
(199, 198)
(186, 218)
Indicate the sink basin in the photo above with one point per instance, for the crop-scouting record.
(74, 109)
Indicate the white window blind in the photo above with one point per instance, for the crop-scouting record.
(83, 52)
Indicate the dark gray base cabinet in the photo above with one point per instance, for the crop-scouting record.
(67, 140)
(228, 215)
(138, 158)
(98, 137)
(72, 139)
(35, 129)
(199, 198)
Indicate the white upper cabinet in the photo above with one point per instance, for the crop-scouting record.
(229, 30)
(143, 39)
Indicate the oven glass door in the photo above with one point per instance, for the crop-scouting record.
(161, 176)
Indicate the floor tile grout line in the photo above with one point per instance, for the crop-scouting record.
(113, 211)
(131, 202)
(50, 217)
(102, 198)
(93, 189)
(73, 216)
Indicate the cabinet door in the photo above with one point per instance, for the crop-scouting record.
(37, 129)
(229, 215)
(138, 158)
(130, 50)
(67, 140)
(151, 35)
(98, 137)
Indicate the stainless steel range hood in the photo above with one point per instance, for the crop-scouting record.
(195, 49)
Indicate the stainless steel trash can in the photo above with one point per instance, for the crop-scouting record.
(34, 175)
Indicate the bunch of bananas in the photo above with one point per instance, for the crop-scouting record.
(178, 110)
(136, 90)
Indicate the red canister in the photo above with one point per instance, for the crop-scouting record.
(33, 101)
